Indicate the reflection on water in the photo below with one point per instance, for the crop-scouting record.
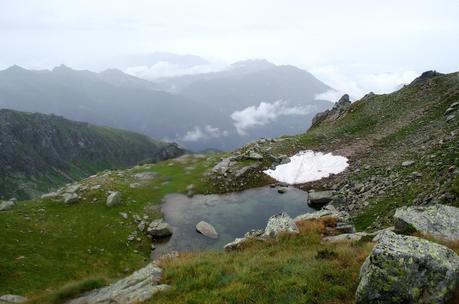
(231, 214)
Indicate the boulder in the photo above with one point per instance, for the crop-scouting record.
(407, 269)
(113, 199)
(159, 229)
(408, 163)
(207, 229)
(7, 205)
(236, 244)
(12, 299)
(140, 286)
(440, 221)
(278, 224)
(70, 197)
(282, 190)
(254, 155)
(320, 198)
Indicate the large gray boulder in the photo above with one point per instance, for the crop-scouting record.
(440, 221)
(70, 197)
(159, 229)
(278, 224)
(12, 299)
(207, 229)
(320, 198)
(140, 286)
(113, 199)
(407, 269)
(7, 205)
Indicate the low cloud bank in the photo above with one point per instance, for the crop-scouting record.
(201, 133)
(264, 113)
(167, 69)
(358, 81)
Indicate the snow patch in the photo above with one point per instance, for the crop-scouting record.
(308, 166)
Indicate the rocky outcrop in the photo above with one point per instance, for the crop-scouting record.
(426, 76)
(279, 224)
(406, 269)
(437, 220)
(8, 299)
(338, 110)
(113, 199)
(159, 229)
(140, 286)
(207, 229)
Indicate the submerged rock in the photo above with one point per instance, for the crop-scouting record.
(114, 199)
(159, 229)
(12, 299)
(278, 224)
(407, 269)
(438, 220)
(207, 229)
(138, 287)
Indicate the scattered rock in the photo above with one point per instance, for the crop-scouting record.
(12, 299)
(406, 269)
(113, 199)
(408, 163)
(190, 190)
(438, 220)
(278, 224)
(144, 176)
(159, 229)
(124, 215)
(7, 205)
(138, 287)
(70, 197)
(207, 229)
(320, 198)
(254, 155)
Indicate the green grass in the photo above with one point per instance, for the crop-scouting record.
(295, 269)
(48, 244)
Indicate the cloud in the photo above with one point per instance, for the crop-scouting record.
(264, 113)
(357, 80)
(206, 132)
(168, 69)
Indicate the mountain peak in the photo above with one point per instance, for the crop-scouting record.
(252, 65)
(62, 69)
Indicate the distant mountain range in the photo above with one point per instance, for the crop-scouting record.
(40, 152)
(219, 110)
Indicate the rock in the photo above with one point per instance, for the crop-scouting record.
(450, 118)
(12, 299)
(425, 76)
(70, 198)
(223, 166)
(146, 175)
(159, 229)
(138, 287)
(124, 215)
(438, 220)
(236, 244)
(278, 224)
(49, 195)
(7, 205)
(408, 163)
(190, 190)
(282, 189)
(449, 111)
(207, 229)
(141, 226)
(113, 199)
(407, 269)
(254, 155)
(345, 237)
(320, 198)
(72, 188)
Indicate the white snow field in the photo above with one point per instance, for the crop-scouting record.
(308, 166)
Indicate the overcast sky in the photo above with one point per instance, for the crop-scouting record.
(354, 46)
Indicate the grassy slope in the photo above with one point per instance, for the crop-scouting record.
(46, 245)
(380, 132)
(42, 152)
